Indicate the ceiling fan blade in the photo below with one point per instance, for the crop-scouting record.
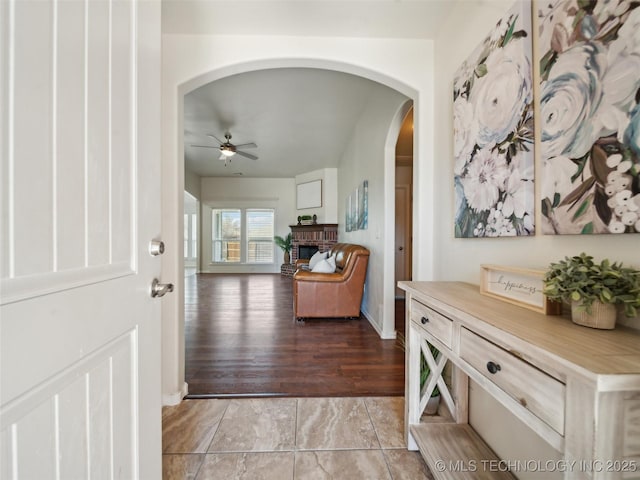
(205, 146)
(245, 154)
(247, 145)
(216, 138)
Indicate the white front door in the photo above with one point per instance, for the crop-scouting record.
(80, 201)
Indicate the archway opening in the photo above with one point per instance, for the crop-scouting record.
(383, 310)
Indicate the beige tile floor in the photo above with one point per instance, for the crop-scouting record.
(288, 438)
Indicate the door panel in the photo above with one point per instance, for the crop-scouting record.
(70, 112)
(86, 407)
(70, 165)
(80, 334)
(402, 236)
(30, 112)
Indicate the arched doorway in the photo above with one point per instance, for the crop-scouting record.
(173, 317)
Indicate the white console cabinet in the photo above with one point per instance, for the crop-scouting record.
(576, 387)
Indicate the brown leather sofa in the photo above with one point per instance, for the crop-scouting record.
(336, 294)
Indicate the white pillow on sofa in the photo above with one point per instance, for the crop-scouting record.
(316, 258)
(325, 266)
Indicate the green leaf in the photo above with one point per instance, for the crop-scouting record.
(587, 229)
(582, 209)
(575, 296)
(581, 162)
(546, 63)
(546, 207)
(481, 70)
(509, 33)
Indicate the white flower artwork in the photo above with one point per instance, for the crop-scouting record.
(590, 125)
(493, 132)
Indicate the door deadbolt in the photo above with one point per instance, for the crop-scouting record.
(156, 247)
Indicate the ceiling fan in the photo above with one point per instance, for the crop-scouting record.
(228, 149)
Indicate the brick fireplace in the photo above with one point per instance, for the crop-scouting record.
(308, 239)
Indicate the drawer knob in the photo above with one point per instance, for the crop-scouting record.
(424, 320)
(493, 367)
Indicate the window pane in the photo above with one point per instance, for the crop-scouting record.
(186, 235)
(194, 235)
(260, 236)
(226, 235)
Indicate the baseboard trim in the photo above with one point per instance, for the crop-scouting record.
(201, 396)
(170, 399)
(376, 327)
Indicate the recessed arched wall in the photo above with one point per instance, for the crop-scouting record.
(186, 76)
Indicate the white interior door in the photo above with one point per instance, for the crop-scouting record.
(79, 332)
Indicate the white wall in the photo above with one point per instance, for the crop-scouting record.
(190, 61)
(366, 158)
(460, 259)
(225, 192)
(192, 183)
(328, 213)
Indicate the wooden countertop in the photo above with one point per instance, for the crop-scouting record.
(594, 352)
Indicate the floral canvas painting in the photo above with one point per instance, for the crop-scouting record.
(363, 205)
(493, 132)
(354, 210)
(589, 96)
(348, 220)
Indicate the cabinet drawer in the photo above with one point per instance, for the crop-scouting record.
(436, 324)
(542, 395)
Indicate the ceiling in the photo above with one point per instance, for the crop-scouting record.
(300, 118)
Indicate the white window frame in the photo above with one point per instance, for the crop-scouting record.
(268, 239)
(244, 237)
(191, 239)
(215, 240)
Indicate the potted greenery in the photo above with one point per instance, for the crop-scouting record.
(425, 370)
(285, 244)
(593, 289)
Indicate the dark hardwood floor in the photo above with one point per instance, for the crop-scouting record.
(241, 340)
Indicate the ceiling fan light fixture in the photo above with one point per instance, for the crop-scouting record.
(227, 152)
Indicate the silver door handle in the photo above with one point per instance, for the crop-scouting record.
(160, 289)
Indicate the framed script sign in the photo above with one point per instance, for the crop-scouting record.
(520, 286)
